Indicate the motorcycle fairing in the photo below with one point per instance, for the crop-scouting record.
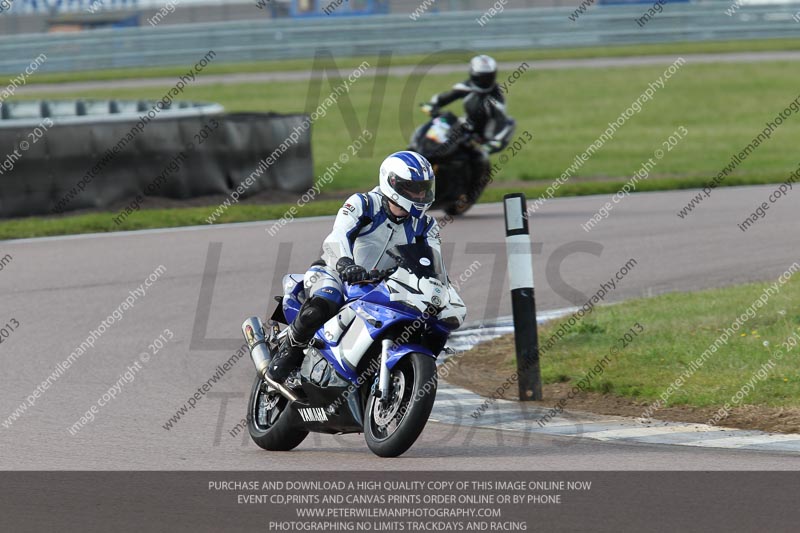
(398, 351)
(293, 296)
(324, 385)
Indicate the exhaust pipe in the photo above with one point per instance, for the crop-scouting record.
(253, 331)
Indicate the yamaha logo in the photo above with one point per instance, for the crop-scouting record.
(314, 414)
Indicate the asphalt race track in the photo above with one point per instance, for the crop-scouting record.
(60, 289)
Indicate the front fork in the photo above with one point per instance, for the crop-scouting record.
(384, 391)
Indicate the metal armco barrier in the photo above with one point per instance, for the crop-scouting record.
(270, 39)
(179, 157)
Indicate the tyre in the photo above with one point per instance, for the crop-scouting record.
(391, 429)
(268, 420)
(459, 207)
(467, 199)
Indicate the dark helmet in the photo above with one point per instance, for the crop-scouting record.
(483, 71)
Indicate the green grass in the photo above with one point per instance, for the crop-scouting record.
(506, 55)
(722, 105)
(190, 216)
(152, 218)
(677, 329)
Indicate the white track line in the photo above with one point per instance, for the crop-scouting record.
(742, 441)
(614, 434)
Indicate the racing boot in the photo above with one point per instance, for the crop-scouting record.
(312, 315)
(290, 356)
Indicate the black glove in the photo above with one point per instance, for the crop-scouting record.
(349, 271)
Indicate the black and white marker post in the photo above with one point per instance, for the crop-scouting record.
(523, 302)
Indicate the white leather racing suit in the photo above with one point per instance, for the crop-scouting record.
(363, 232)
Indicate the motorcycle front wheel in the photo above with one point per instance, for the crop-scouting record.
(268, 422)
(467, 199)
(460, 206)
(391, 428)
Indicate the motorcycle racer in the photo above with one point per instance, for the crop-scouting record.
(484, 105)
(366, 226)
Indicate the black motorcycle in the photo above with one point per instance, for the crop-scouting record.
(462, 170)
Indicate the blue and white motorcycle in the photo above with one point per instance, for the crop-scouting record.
(371, 369)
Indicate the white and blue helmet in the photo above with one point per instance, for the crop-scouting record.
(407, 179)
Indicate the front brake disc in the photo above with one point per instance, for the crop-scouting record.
(385, 413)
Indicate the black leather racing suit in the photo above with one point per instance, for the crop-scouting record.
(485, 111)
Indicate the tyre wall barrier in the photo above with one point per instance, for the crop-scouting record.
(65, 156)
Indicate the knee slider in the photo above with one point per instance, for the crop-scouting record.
(313, 314)
(327, 308)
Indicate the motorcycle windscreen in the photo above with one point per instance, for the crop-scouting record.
(422, 260)
(439, 131)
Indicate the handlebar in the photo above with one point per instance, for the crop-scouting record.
(376, 276)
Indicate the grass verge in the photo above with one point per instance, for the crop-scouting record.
(103, 222)
(723, 107)
(759, 45)
(675, 330)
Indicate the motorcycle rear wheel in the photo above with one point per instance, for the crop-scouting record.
(390, 430)
(268, 421)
